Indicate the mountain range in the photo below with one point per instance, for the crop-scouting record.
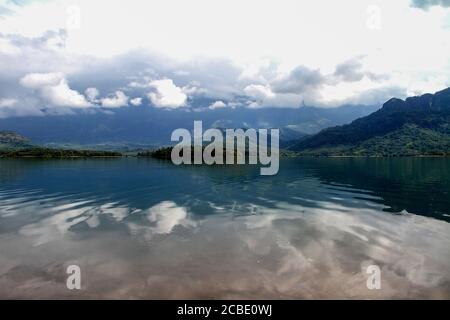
(416, 126)
(12, 140)
(152, 126)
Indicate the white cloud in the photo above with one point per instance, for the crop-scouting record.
(266, 65)
(62, 95)
(167, 94)
(136, 101)
(92, 94)
(263, 95)
(54, 89)
(40, 80)
(118, 100)
(240, 41)
(7, 48)
(217, 105)
(259, 92)
(7, 102)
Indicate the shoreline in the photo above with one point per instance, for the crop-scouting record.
(289, 157)
(390, 157)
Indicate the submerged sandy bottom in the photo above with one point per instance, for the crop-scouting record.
(280, 252)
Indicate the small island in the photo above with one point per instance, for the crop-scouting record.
(164, 153)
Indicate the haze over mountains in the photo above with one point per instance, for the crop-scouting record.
(415, 126)
(146, 125)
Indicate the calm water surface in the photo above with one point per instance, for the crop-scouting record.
(142, 228)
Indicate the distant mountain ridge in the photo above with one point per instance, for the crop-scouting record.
(152, 126)
(13, 145)
(414, 126)
(12, 140)
(12, 137)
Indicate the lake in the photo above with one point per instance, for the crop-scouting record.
(143, 228)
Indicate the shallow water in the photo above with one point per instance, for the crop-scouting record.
(141, 228)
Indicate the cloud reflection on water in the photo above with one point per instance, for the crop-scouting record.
(245, 250)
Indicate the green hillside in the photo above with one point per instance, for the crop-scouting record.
(415, 126)
(13, 145)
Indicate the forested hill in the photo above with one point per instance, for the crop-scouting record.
(415, 126)
(9, 139)
(13, 145)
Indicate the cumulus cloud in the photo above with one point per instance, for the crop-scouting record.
(62, 95)
(119, 99)
(136, 101)
(425, 4)
(166, 94)
(262, 78)
(39, 80)
(217, 105)
(258, 91)
(54, 89)
(271, 70)
(306, 86)
(288, 89)
(92, 94)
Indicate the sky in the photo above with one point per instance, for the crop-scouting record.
(60, 56)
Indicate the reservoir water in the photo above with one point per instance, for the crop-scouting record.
(144, 229)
